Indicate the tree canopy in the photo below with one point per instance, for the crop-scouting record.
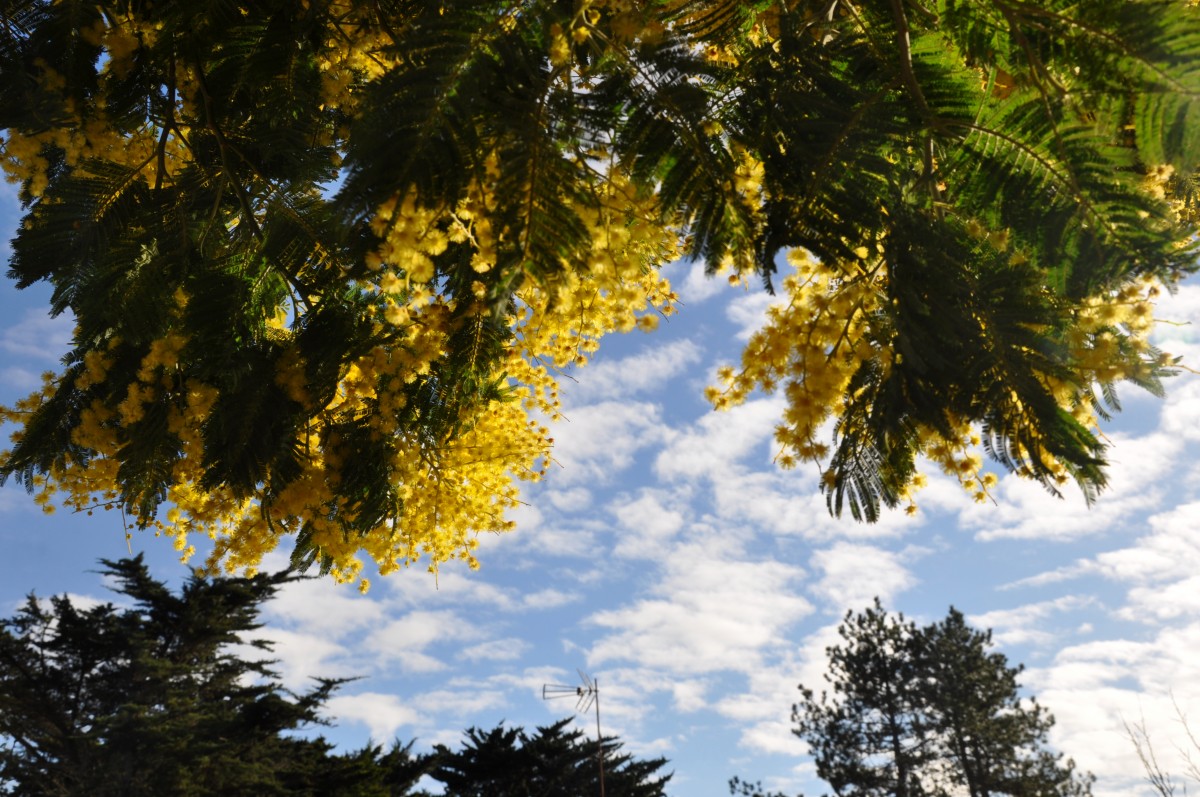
(328, 258)
(151, 698)
(553, 761)
(160, 696)
(927, 712)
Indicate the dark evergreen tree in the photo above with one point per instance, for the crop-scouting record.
(926, 712)
(553, 761)
(153, 699)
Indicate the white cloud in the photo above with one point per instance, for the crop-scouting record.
(558, 530)
(300, 656)
(1058, 574)
(767, 699)
(692, 285)
(648, 525)
(530, 680)
(1142, 469)
(709, 612)
(1176, 331)
(383, 714)
(1025, 510)
(777, 501)
(855, 574)
(749, 311)
(507, 649)
(1094, 688)
(467, 592)
(574, 538)
(717, 443)
(1171, 551)
(630, 697)
(773, 737)
(404, 641)
(39, 337)
(595, 443)
(20, 380)
(85, 603)
(323, 607)
(547, 599)
(640, 373)
(1020, 625)
(763, 708)
(463, 699)
(1180, 599)
(455, 586)
(788, 503)
(81, 603)
(573, 499)
(690, 694)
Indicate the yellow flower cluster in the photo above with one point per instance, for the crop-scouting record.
(445, 495)
(356, 49)
(811, 346)
(467, 486)
(1107, 342)
(87, 133)
(560, 323)
(602, 23)
(959, 457)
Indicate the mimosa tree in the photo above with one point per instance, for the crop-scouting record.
(328, 258)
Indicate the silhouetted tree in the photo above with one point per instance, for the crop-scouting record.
(554, 761)
(154, 699)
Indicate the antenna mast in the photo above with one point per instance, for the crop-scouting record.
(587, 696)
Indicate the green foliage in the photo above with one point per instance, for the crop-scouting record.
(553, 761)
(151, 698)
(896, 125)
(887, 125)
(927, 712)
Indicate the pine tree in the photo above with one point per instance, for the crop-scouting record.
(151, 699)
(992, 737)
(928, 712)
(871, 737)
(328, 259)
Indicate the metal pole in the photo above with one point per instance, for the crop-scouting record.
(590, 691)
(599, 742)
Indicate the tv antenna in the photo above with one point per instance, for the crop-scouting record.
(586, 696)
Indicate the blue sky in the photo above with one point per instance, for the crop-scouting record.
(668, 558)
